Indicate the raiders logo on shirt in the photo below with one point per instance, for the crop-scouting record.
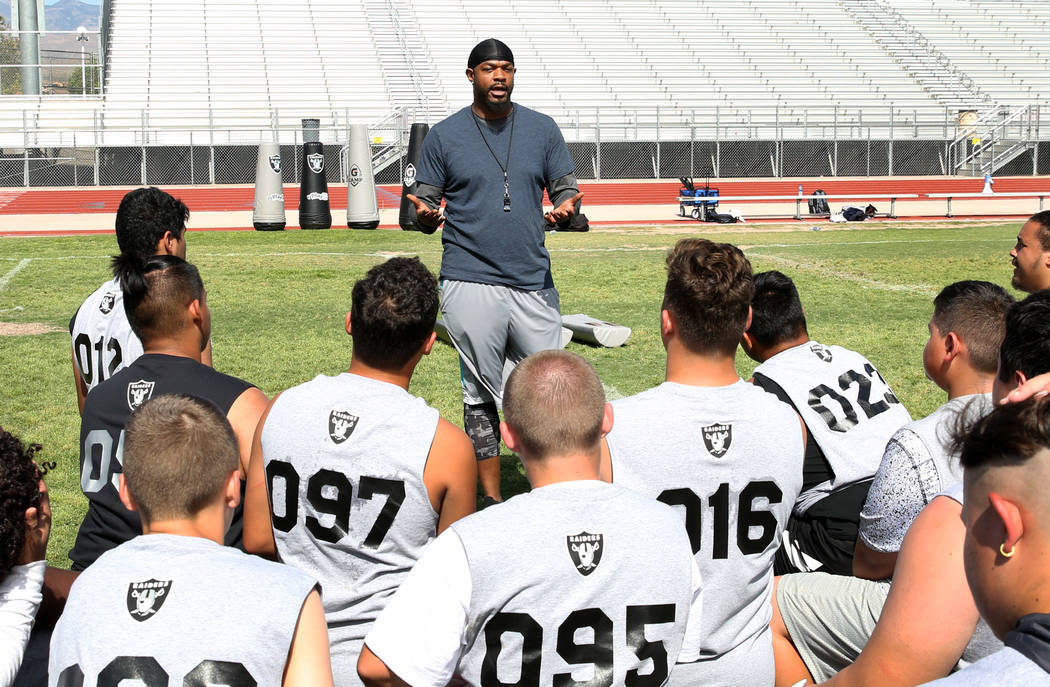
(146, 598)
(106, 304)
(139, 392)
(341, 425)
(821, 352)
(717, 439)
(585, 550)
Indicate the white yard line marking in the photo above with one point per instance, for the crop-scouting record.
(17, 308)
(24, 263)
(614, 249)
(848, 276)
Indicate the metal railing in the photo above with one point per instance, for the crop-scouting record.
(606, 143)
(996, 138)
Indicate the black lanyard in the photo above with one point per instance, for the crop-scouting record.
(502, 167)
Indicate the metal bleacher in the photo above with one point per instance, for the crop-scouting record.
(1000, 45)
(233, 70)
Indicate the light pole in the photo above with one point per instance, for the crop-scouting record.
(82, 38)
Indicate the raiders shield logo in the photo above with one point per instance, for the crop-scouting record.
(275, 163)
(410, 174)
(341, 425)
(585, 550)
(316, 162)
(717, 439)
(146, 598)
(821, 352)
(355, 175)
(139, 392)
(106, 306)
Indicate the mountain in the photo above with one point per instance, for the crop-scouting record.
(67, 15)
(64, 15)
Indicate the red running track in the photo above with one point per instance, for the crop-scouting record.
(17, 201)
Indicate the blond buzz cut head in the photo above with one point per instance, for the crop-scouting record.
(555, 403)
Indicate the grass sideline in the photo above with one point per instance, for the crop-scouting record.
(278, 302)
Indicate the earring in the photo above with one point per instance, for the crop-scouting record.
(1004, 552)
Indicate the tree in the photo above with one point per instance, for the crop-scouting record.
(77, 78)
(10, 62)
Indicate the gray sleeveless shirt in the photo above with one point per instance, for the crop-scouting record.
(848, 408)
(167, 609)
(730, 458)
(344, 460)
(580, 578)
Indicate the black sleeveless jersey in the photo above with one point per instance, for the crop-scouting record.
(106, 412)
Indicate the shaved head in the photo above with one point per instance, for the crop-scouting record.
(1008, 451)
(555, 402)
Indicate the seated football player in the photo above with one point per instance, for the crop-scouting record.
(820, 631)
(576, 579)
(352, 476)
(725, 453)
(961, 357)
(850, 413)
(1006, 460)
(173, 603)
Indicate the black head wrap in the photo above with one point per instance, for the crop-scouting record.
(489, 49)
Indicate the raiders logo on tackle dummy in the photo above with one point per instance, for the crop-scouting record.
(139, 392)
(275, 163)
(585, 550)
(316, 162)
(341, 425)
(717, 439)
(106, 304)
(146, 598)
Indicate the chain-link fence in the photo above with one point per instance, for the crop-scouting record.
(605, 144)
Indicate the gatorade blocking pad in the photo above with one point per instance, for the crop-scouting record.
(406, 216)
(362, 212)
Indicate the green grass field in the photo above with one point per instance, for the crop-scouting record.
(278, 301)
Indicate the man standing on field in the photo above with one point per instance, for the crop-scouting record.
(491, 162)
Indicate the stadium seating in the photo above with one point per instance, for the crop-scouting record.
(234, 68)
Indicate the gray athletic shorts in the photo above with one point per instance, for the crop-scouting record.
(495, 327)
(830, 617)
